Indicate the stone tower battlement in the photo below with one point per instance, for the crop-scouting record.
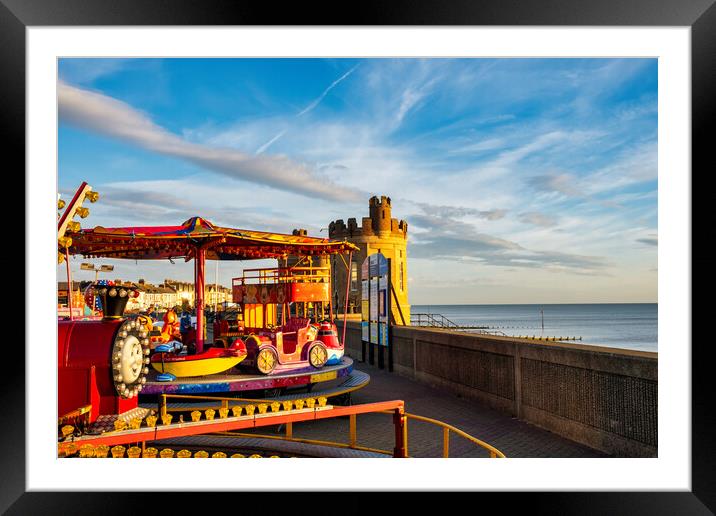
(378, 223)
(377, 233)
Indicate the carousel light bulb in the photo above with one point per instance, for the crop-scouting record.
(60, 204)
(82, 212)
(146, 360)
(117, 366)
(145, 342)
(92, 196)
(143, 380)
(122, 387)
(113, 292)
(146, 351)
(140, 387)
(123, 333)
(120, 343)
(73, 226)
(145, 370)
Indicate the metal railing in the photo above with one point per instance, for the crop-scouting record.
(233, 426)
(440, 321)
(494, 452)
(352, 443)
(273, 275)
(431, 320)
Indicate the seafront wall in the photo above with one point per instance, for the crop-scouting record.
(605, 398)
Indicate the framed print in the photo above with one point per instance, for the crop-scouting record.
(60, 61)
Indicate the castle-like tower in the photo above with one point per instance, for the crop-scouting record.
(379, 233)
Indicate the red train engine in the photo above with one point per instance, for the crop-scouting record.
(102, 363)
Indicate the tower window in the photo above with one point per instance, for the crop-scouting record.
(402, 273)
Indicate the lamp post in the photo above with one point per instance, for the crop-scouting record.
(97, 270)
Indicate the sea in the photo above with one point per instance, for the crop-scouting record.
(628, 325)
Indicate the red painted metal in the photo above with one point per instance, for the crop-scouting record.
(255, 421)
(69, 284)
(199, 262)
(82, 346)
(399, 419)
(345, 308)
(68, 207)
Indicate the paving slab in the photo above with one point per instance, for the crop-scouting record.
(513, 437)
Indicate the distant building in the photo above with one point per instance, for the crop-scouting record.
(160, 296)
(184, 291)
(378, 233)
(213, 294)
(77, 297)
(216, 295)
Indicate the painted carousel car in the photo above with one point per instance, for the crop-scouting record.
(297, 296)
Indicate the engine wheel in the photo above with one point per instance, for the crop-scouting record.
(318, 355)
(266, 360)
(130, 359)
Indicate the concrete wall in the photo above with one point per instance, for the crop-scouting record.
(604, 398)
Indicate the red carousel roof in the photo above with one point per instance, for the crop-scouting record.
(161, 242)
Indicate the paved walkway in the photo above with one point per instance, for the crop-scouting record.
(513, 437)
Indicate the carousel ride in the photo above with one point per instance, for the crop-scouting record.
(286, 337)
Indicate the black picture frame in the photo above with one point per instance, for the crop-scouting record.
(700, 15)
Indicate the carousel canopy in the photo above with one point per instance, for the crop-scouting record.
(161, 242)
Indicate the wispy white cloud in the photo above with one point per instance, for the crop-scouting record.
(113, 118)
(307, 109)
(87, 71)
(537, 218)
(335, 83)
(266, 145)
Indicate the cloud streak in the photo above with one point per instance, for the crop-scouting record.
(446, 238)
(307, 109)
(460, 211)
(335, 83)
(115, 119)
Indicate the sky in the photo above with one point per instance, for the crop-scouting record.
(522, 180)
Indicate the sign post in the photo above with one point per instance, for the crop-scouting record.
(375, 309)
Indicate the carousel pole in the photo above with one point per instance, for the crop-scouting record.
(199, 262)
(69, 283)
(331, 263)
(345, 308)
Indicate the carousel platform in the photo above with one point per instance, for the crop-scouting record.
(236, 381)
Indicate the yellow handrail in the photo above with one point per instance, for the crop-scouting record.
(352, 444)
(494, 452)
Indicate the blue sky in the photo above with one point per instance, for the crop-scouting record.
(522, 180)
